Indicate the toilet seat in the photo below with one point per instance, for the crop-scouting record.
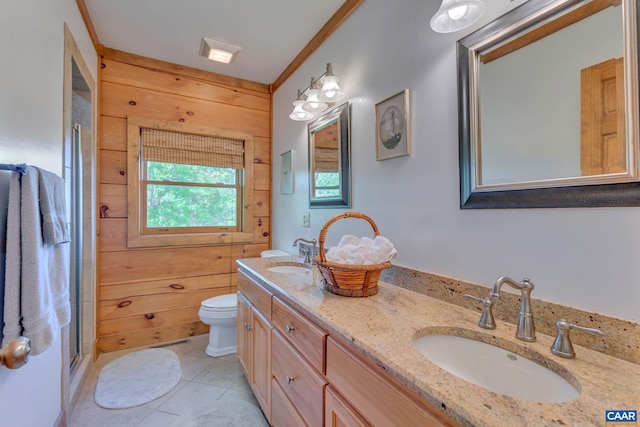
(222, 303)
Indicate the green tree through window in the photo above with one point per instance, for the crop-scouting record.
(327, 184)
(181, 195)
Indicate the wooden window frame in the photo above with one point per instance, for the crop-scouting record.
(137, 235)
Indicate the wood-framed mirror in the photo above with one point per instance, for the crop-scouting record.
(548, 107)
(329, 159)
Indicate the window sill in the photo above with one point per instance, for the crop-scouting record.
(189, 239)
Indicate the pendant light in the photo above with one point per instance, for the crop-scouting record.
(330, 91)
(313, 104)
(298, 113)
(455, 15)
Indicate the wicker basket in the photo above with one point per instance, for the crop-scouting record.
(345, 279)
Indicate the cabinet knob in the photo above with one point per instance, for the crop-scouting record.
(289, 379)
(290, 329)
(247, 326)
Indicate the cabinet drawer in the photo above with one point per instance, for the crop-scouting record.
(381, 399)
(300, 382)
(259, 296)
(306, 337)
(283, 414)
(338, 413)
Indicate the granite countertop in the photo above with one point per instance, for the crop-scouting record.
(382, 328)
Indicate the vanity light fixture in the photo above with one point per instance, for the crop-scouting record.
(298, 113)
(455, 15)
(218, 51)
(322, 93)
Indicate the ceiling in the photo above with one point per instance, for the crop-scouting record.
(271, 33)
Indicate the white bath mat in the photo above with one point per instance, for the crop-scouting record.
(137, 378)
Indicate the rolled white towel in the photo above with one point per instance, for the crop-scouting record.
(378, 257)
(338, 255)
(348, 240)
(350, 248)
(356, 259)
(365, 242)
(382, 242)
(381, 250)
(363, 251)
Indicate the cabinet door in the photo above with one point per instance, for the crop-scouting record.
(243, 333)
(261, 360)
(338, 413)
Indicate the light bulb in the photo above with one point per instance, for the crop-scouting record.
(313, 104)
(331, 91)
(298, 113)
(220, 56)
(457, 12)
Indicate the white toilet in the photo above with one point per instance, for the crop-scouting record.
(221, 313)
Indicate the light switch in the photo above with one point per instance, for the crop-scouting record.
(306, 219)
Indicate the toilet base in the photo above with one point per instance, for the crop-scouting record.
(217, 352)
(222, 338)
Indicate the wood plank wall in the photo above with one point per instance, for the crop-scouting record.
(148, 296)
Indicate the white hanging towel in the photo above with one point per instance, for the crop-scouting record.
(37, 273)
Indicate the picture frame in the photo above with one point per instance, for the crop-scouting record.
(286, 172)
(393, 129)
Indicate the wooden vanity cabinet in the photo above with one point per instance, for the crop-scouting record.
(254, 339)
(302, 376)
(378, 397)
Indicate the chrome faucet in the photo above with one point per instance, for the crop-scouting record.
(306, 249)
(526, 329)
(562, 344)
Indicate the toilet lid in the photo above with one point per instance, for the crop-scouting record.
(221, 303)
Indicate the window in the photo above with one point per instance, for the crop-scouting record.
(187, 184)
(326, 163)
(327, 184)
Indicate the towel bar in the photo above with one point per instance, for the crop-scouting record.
(11, 167)
(16, 354)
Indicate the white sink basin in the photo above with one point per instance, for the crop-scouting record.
(495, 368)
(289, 269)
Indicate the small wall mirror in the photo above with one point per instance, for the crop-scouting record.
(329, 159)
(548, 102)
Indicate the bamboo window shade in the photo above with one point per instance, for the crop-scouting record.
(325, 149)
(191, 149)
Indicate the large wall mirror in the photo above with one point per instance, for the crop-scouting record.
(329, 175)
(548, 107)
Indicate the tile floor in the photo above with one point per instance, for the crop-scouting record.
(204, 381)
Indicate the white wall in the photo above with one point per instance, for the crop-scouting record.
(584, 258)
(31, 131)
